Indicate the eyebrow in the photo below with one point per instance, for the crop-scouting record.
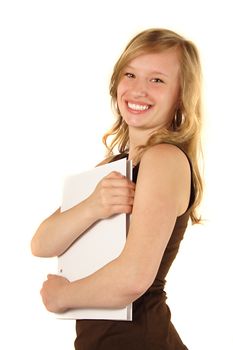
(153, 72)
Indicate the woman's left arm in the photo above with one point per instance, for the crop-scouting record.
(162, 193)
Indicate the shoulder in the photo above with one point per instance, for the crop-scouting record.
(166, 158)
(164, 153)
(165, 172)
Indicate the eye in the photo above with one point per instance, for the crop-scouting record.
(129, 75)
(157, 80)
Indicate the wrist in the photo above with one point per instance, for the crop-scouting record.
(91, 210)
(63, 298)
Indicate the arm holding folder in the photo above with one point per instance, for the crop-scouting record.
(112, 197)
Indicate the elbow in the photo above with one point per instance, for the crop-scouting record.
(33, 248)
(40, 249)
(135, 279)
(40, 246)
(137, 286)
(36, 246)
(36, 249)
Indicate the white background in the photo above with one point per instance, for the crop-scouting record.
(55, 63)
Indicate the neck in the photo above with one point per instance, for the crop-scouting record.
(136, 138)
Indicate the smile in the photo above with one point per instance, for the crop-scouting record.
(138, 107)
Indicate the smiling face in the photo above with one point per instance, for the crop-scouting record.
(148, 91)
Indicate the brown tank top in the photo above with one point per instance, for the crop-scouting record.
(151, 328)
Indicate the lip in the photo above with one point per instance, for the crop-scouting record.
(137, 103)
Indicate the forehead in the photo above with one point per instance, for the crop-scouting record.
(166, 62)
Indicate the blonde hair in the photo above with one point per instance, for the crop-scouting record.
(186, 126)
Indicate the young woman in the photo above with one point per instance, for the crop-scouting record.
(155, 89)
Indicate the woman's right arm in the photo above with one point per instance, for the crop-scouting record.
(112, 195)
(58, 231)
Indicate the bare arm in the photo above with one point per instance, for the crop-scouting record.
(113, 194)
(162, 194)
(58, 231)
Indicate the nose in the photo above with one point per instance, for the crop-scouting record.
(139, 88)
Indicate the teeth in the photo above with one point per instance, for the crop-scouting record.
(138, 107)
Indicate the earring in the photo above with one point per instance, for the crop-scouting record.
(177, 120)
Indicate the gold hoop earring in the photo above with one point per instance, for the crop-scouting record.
(177, 120)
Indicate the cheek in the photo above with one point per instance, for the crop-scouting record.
(175, 95)
(118, 96)
(120, 92)
(121, 88)
(171, 98)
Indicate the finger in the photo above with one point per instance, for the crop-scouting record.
(119, 177)
(122, 209)
(122, 200)
(118, 182)
(114, 174)
(119, 195)
(50, 276)
(120, 191)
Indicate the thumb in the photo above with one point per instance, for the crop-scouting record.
(50, 276)
(115, 174)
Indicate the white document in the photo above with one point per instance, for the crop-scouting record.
(99, 245)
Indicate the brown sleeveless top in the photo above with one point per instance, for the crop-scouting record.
(151, 328)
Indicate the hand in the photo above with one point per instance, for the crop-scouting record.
(114, 194)
(51, 293)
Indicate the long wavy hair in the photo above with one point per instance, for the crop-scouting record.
(185, 129)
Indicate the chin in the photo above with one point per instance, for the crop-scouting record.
(135, 121)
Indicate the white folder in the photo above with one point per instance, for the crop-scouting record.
(99, 245)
